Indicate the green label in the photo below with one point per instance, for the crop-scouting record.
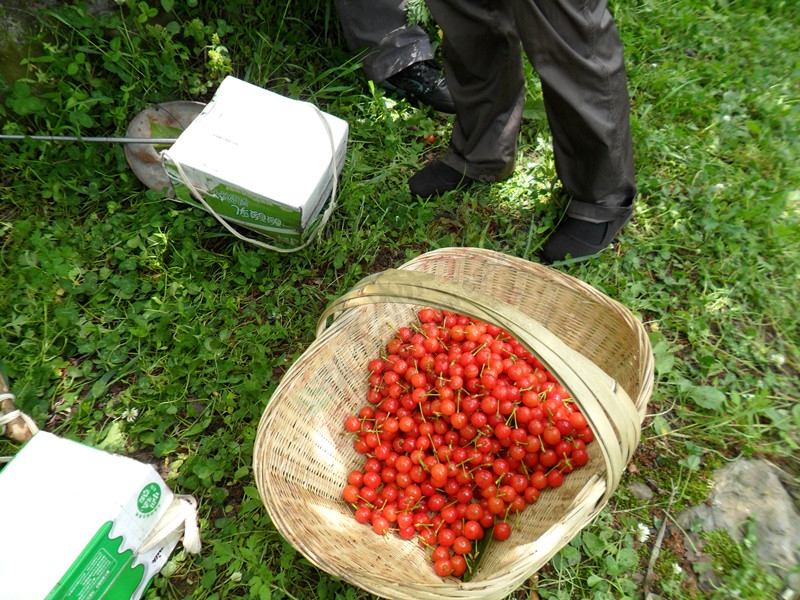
(149, 498)
(101, 571)
(262, 213)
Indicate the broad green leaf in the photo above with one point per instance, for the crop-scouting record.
(165, 447)
(779, 417)
(208, 578)
(593, 580)
(684, 385)
(660, 425)
(22, 102)
(612, 566)
(627, 559)
(474, 559)
(707, 397)
(691, 462)
(159, 130)
(663, 363)
(198, 427)
(592, 544)
(100, 386)
(753, 126)
(115, 438)
(252, 492)
(570, 555)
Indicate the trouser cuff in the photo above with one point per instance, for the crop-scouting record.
(598, 213)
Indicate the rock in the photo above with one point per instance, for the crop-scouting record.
(640, 490)
(745, 490)
(17, 24)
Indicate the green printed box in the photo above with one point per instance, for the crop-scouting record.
(74, 519)
(259, 159)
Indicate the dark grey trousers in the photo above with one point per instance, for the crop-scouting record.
(574, 47)
(381, 28)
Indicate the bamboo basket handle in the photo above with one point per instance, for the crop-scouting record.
(609, 410)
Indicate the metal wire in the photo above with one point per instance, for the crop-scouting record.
(102, 140)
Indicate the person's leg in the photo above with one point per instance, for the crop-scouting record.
(381, 26)
(576, 50)
(483, 67)
(397, 55)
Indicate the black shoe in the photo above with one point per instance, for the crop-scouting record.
(422, 82)
(580, 240)
(436, 179)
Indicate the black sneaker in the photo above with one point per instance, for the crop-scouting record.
(436, 179)
(422, 82)
(580, 240)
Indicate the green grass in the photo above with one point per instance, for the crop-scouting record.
(139, 325)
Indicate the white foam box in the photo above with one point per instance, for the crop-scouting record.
(72, 517)
(261, 160)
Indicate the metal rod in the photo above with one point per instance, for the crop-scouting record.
(102, 140)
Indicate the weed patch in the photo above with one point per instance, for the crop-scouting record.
(135, 323)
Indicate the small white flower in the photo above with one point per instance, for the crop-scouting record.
(130, 414)
(644, 532)
(236, 576)
(778, 360)
(676, 568)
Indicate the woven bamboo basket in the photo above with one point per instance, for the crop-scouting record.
(596, 348)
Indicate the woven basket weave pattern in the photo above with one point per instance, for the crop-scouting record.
(303, 455)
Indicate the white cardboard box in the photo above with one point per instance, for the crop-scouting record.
(260, 160)
(73, 518)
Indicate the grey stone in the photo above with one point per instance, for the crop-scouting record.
(641, 491)
(18, 23)
(745, 491)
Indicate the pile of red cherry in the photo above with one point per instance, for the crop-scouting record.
(462, 429)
